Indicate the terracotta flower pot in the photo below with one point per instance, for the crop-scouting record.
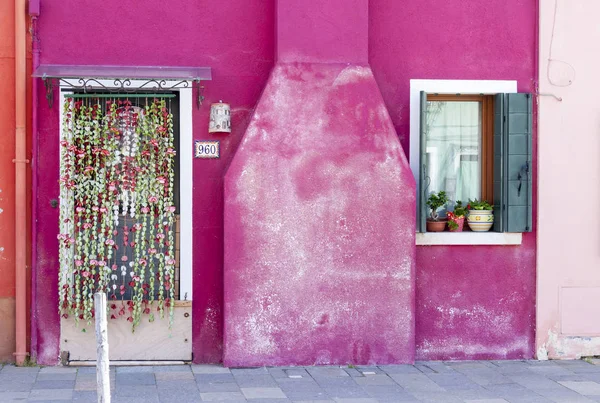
(436, 226)
(460, 221)
(480, 220)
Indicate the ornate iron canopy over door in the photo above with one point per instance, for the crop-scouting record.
(124, 79)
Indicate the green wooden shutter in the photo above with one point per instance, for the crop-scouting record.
(499, 196)
(512, 160)
(518, 163)
(423, 179)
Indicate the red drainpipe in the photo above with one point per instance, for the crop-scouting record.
(34, 12)
(20, 181)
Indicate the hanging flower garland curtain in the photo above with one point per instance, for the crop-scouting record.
(117, 213)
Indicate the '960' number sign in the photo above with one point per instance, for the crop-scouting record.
(207, 149)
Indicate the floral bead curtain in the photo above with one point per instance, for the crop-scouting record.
(117, 211)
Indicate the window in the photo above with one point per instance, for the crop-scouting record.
(458, 129)
(477, 146)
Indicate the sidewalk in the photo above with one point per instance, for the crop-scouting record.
(471, 381)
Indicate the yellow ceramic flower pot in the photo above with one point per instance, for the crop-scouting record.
(480, 220)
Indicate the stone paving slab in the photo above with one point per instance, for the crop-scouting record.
(220, 396)
(58, 370)
(263, 393)
(209, 369)
(135, 378)
(377, 379)
(263, 380)
(346, 392)
(175, 375)
(50, 394)
(13, 396)
(353, 372)
(583, 388)
(54, 384)
(465, 381)
(129, 399)
(474, 394)
(172, 368)
(84, 396)
(218, 387)
(56, 377)
(417, 383)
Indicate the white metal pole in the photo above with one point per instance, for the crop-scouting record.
(102, 362)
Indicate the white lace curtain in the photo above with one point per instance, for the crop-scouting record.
(454, 149)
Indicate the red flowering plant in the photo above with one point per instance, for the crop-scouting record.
(456, 218)
(117, 211)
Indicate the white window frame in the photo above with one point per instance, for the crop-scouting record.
(185, 173)
(485, 87)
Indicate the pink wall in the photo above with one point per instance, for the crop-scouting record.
(472, 302)
(337, 33)
(235, 38)
(408, 39)
(320, 207)
(319, 211)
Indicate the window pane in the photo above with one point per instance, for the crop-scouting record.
(454, 149)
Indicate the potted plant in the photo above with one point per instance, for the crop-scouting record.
(480, 217)
(435, 202)
(456, 219)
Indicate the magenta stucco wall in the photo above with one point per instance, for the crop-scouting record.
(470, 302)
(319, 206)
(235, 38)
(319, 226)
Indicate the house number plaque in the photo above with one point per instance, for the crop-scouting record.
(207, 149)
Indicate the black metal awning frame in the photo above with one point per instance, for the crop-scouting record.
(139, 79)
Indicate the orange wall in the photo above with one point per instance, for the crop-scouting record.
(7, 148)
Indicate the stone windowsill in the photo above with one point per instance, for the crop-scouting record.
(469, 238)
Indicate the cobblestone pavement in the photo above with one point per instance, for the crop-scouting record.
(466, 381)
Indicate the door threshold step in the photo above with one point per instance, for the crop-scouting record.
(127, 363)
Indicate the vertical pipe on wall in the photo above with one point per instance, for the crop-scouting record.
(20, 182)
(35, 62)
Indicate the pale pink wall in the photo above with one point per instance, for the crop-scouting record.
(568, 302)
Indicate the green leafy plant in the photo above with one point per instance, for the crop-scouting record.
(479, 205)
(435, 202)
(460, 210)
(117, 209)
(452, 224)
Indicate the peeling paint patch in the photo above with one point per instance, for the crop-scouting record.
(542, 353)
(353, 74)
(559, 346)
(458, 348)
